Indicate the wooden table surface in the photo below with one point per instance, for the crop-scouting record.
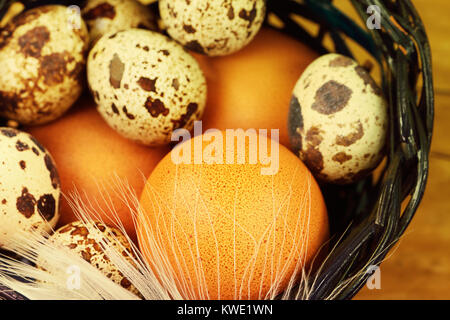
(419, 267)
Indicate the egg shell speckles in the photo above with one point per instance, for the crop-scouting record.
(106, 16)
(29, 185)
(215, 27)
(88, 245)
(338, 120)
(43, 60)
(145, 85)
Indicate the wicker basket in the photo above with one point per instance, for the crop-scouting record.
(379, 209)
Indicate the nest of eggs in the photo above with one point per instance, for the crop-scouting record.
(370, 196)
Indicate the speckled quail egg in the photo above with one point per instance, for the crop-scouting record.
(29, 185)
(213, 27)
(106, 16)
(42, 57)
(88, 245)
(145, 85)
(338, 120)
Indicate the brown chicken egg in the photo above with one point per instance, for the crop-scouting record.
(90, 156)
(252, 88)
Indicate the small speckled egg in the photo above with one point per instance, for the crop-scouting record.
(29, 185)
(106, 16)
(88, 245)
(213, 27)
(338, 120)
(42, 57)
(145, 85)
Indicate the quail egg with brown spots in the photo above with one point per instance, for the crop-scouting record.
(88, 244)
(338, 120)
(29, 185)
(213, 27)
(106, 16)
(42, 57)
(145, 85)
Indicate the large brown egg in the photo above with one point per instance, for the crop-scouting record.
(90, 154)
(252, 88)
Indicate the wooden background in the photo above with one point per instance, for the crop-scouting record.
(419, 267)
